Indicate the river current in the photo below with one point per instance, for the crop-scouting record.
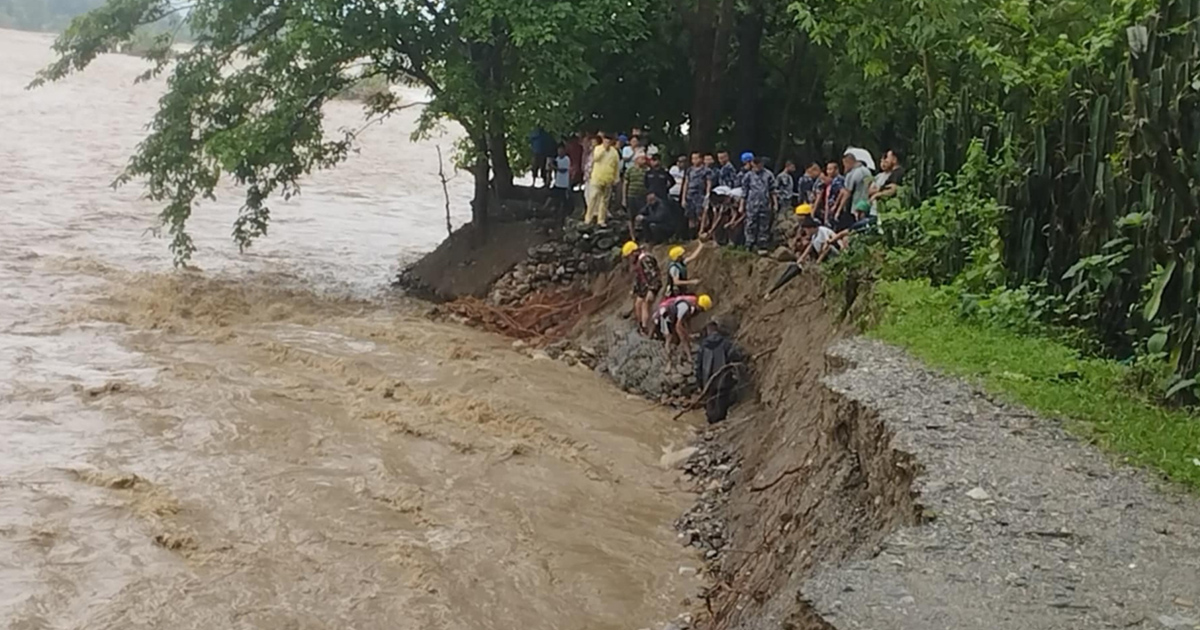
(268, 439)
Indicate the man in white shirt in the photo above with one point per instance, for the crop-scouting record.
(677, 172)
(560, 190)
(821, 241)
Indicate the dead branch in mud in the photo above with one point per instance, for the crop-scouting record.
(775, 482)
(445, 190)
(703, 395)
(540, 316)
(701, 398)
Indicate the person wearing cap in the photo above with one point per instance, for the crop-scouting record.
(678, 282)
(757, 203)
(697, 186)
(672, 318)
(864, 218)
(747, 159)
(604, 176)
(647, 280)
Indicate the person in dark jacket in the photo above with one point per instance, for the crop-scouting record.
(654, 223)
(715, 362)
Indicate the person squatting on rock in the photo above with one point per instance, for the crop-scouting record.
(678, 282)
(717, 373)
(647, 280)
(757, 204)
(672, 319)
(655, 223)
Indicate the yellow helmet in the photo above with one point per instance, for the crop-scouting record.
(704, 302)
(676, 253)
(628, 248)
(803, 209)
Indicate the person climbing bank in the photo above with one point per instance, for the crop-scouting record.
(673, 315)
(717, 372)
(647, 281)
(678, 282)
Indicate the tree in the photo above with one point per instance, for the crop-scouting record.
(245, 102)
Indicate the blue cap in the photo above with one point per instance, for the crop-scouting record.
(623, 138)
(747, 156)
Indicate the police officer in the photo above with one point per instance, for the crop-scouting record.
(759, 186)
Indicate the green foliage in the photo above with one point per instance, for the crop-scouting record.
(952, 235)
(1101, 397)
(245, 102)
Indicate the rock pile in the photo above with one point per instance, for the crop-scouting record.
(571, 354)
(640, 365)
(582, 250)
(710, 469)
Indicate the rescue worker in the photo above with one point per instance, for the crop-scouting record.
(759, 186)
(647, 281)
(673, 315)
(678, 282)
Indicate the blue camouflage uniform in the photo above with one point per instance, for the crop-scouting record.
(785, 192)
(697, 178)
(758, 186)
(727, 175)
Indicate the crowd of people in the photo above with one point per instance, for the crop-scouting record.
(713, 199)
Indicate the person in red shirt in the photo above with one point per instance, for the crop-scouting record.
(575, 152)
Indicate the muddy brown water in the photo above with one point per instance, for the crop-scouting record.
(270, 441)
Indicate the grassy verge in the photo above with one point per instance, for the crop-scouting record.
(1045, 375)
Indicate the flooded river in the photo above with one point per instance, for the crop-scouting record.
(270, 441)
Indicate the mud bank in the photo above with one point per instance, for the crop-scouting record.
(798, 475)
(851, 488)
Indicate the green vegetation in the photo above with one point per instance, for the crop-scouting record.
(1101, 397)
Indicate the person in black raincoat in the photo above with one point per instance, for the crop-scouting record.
(717, 372)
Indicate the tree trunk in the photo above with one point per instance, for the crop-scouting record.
(789, 99)
(498, 149)
(749, 78)
(481, 172)
(497, 128)
(710, 25)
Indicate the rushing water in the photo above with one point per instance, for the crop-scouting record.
(270, 442)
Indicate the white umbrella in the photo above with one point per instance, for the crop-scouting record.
(862, 155)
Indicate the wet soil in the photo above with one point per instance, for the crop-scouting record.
(852, 488)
